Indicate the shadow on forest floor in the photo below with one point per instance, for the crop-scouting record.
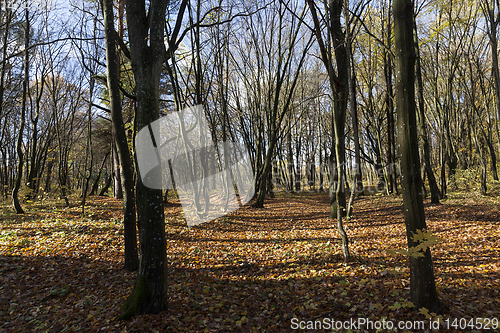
(253, 270)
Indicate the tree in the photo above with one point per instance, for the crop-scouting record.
(492, 22)
(421, 124)
(19, 148)
(147, 50)
(358, 178)
(271, 78)
(339, 84)
(126, 165)
(422, 285)
(389, 101)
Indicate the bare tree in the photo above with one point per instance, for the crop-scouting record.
(339, 84)
(126, 165)
(146, 24)
(19, 148)
(422, 284)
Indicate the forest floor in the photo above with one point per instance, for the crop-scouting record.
(254, 270)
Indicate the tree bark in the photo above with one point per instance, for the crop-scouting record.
(493, 161)
(339, 83)
(106, 186)
(95, 186)
(5, 48)
(289, 154)
(391, 145)
(89, 152)
(493, 20)
(422, 284)
(146, 35)
(127, 174)
(358, 179)
(19, 148)
(117, 180)
(421, 124)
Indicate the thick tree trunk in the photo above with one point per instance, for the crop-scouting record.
(422, 285)
(63, 178)
(482, 162)
(146, 47)
(321, 161)
(127, 174)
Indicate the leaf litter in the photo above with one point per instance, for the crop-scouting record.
(250, 271)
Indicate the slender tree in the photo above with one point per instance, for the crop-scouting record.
(339, 84)
(421, 124)
(492, 21)
(422, 285)
(126, 165)
(19, 148)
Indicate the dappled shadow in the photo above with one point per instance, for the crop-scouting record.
(270, 304)
(471, 213)
(247, 272)
(256, 240)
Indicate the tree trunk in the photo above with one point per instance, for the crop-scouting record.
(146, 47)
(298, 167)
(261, 195)
(93, 191)
(493, 161)
(34, 165)
(492, 34)
(5, 48)
(48, 179)
(489, 142)
(20, 154)
(117, 181)
(444, 187)
(106, 186)
(340, 87)
(389, 104)
(421, 124)
(127, 174)
(482, 161)
(358, 179)
(289, 154)
(422, 285)
(88, 173)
